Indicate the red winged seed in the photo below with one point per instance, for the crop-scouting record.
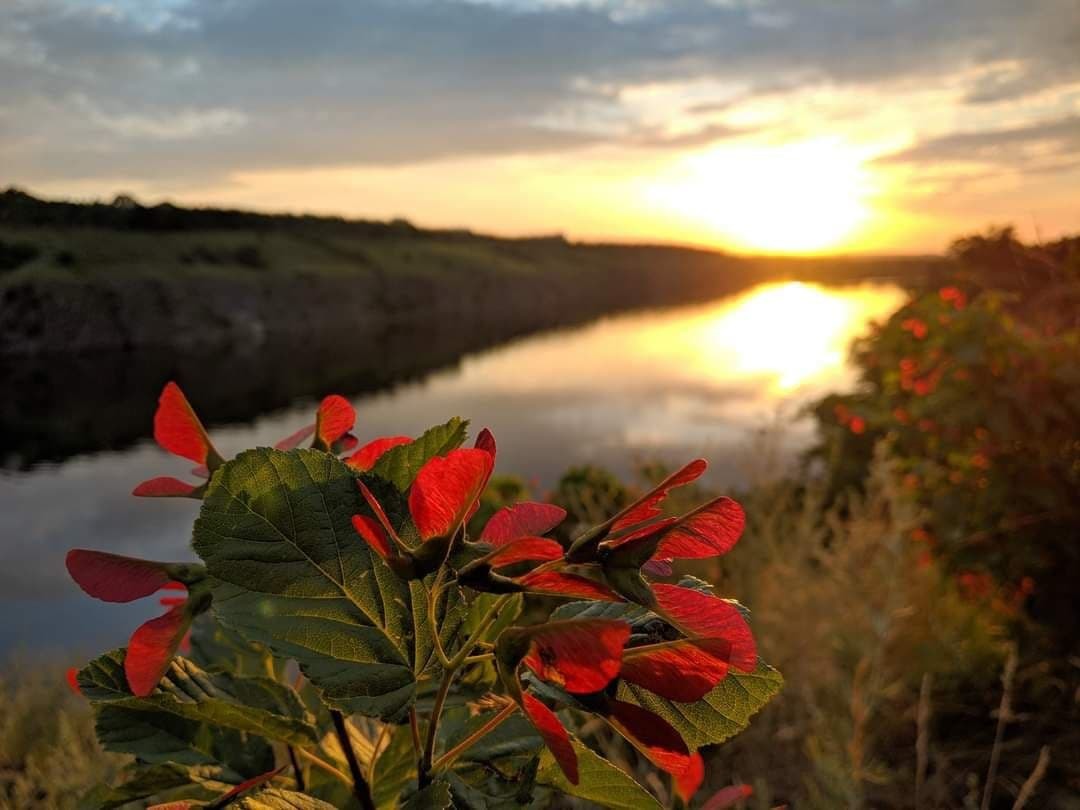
(114, 578)
(683, 671)
(151, 648)
(648, 507)
(581, 656)
(706, 616)
(539, 549)
(373, 534)
(650, 734)
(709, 531)
(446, 490)
(177, 428)
(688, 783)
(334, 419)
(164, 487)
(366, 457)
(555, 736)
(522, 520)
(555, 583)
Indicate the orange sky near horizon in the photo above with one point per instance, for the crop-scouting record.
(776, 126)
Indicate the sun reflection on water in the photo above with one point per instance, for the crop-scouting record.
(791, 333)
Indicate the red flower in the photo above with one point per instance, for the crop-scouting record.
(916, 326)
(113, 578)
(953, 295)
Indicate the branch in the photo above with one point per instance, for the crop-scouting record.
(360, 786)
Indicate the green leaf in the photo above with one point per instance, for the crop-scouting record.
(273, 798)
(721, 714)
(599, 781)
(160, 737)
(395, 769)
(256, 705)
(158, 784)
(288, 571)
(435, 796)
(401, 464)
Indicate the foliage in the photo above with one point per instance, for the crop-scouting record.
(976, 392)
(347, 641)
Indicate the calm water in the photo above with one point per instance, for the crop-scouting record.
(667, 384)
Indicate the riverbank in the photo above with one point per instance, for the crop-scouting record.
(81, 278)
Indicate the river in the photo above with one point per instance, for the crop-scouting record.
(667, 384)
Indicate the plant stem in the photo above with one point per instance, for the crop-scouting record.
(448, 758)
(322, 764)
(300, 786)
(450, 668)
(360, 786)
(478, 633)
(415, 732)
(424, 776)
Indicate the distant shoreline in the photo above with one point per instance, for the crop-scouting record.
(93, 277)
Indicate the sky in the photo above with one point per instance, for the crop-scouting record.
(750, 125)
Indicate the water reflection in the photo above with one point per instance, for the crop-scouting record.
(665, 384)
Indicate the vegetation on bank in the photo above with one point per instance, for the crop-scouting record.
(123, 239)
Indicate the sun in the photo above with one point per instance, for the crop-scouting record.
(802, 197)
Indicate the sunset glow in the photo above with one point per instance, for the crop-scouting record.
(781, 127)
(810, 196)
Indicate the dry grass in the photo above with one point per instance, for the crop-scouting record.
(48, 754)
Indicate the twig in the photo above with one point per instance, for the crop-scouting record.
(360, 786)
(322, 764)
(1032, 782)
(416, 744)
(1004, 715)
(922, 738)
(300, 786)
(451, 755)
(424, 775)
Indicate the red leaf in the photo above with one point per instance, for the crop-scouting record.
(72, 676)
(580, 656)
(650, 734)
(255, 781)
(728, 797)
(554, 583)
(151, 648)
(649, 506)
(707, 616)
(373, 534)
(294, 439)
(709, 531)
(657, 568)
(113, 578)
(164, 487)
(364, 458)
(522, 520)
(334, 419)
(445, 490)
(649, 529)
(554, 734)
(540, 549)
(684, 671)
(688, 783)
(485, 441)
(177, 428)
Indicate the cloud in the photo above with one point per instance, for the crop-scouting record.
(1024, 147)
(206, 88)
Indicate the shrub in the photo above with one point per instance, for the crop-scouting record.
(976, 392)
(346, 642)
